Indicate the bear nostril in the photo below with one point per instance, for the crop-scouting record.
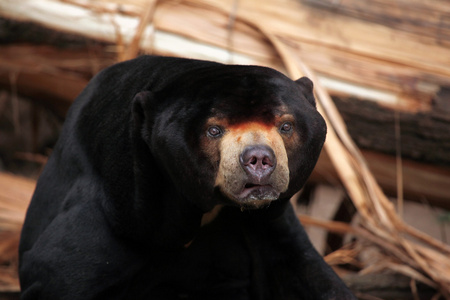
(258, 161)
(267, 162)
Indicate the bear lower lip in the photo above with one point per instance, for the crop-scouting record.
(254, 192)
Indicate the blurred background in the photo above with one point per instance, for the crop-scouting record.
(377, 205)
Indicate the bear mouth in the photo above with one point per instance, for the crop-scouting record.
(256, 192)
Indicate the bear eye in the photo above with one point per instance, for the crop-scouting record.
(214, 131)
(286, 127)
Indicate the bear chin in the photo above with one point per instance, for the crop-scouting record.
(256, 196)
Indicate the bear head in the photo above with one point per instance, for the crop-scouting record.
(234, 135)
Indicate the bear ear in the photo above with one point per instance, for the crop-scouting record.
(307, 87)
(140, 109)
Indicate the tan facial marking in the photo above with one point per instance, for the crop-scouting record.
(231, 177)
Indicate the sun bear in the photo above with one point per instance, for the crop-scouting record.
(171, 179)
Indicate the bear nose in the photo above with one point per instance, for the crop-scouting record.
(258, 161)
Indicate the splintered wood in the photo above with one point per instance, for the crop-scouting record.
(402, 66)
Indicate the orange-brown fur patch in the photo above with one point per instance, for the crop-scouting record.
(238, 136)
(224, 152)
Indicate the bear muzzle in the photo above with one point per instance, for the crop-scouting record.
(258, 162)
(253, 170)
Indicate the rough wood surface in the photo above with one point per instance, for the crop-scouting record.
(430, 18)
(422, 182)
(423, 136)
(351, 54)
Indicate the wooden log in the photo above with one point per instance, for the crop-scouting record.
(405, 15)
(354, 56)
(421, 182)
(423, 136)
(372, 73)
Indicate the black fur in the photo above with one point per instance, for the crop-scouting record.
(127, 184)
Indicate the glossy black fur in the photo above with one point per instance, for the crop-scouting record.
(127, 184)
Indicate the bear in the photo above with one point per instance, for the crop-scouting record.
(171, 179)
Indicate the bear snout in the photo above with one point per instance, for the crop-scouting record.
(258, 162)
(253, 169)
